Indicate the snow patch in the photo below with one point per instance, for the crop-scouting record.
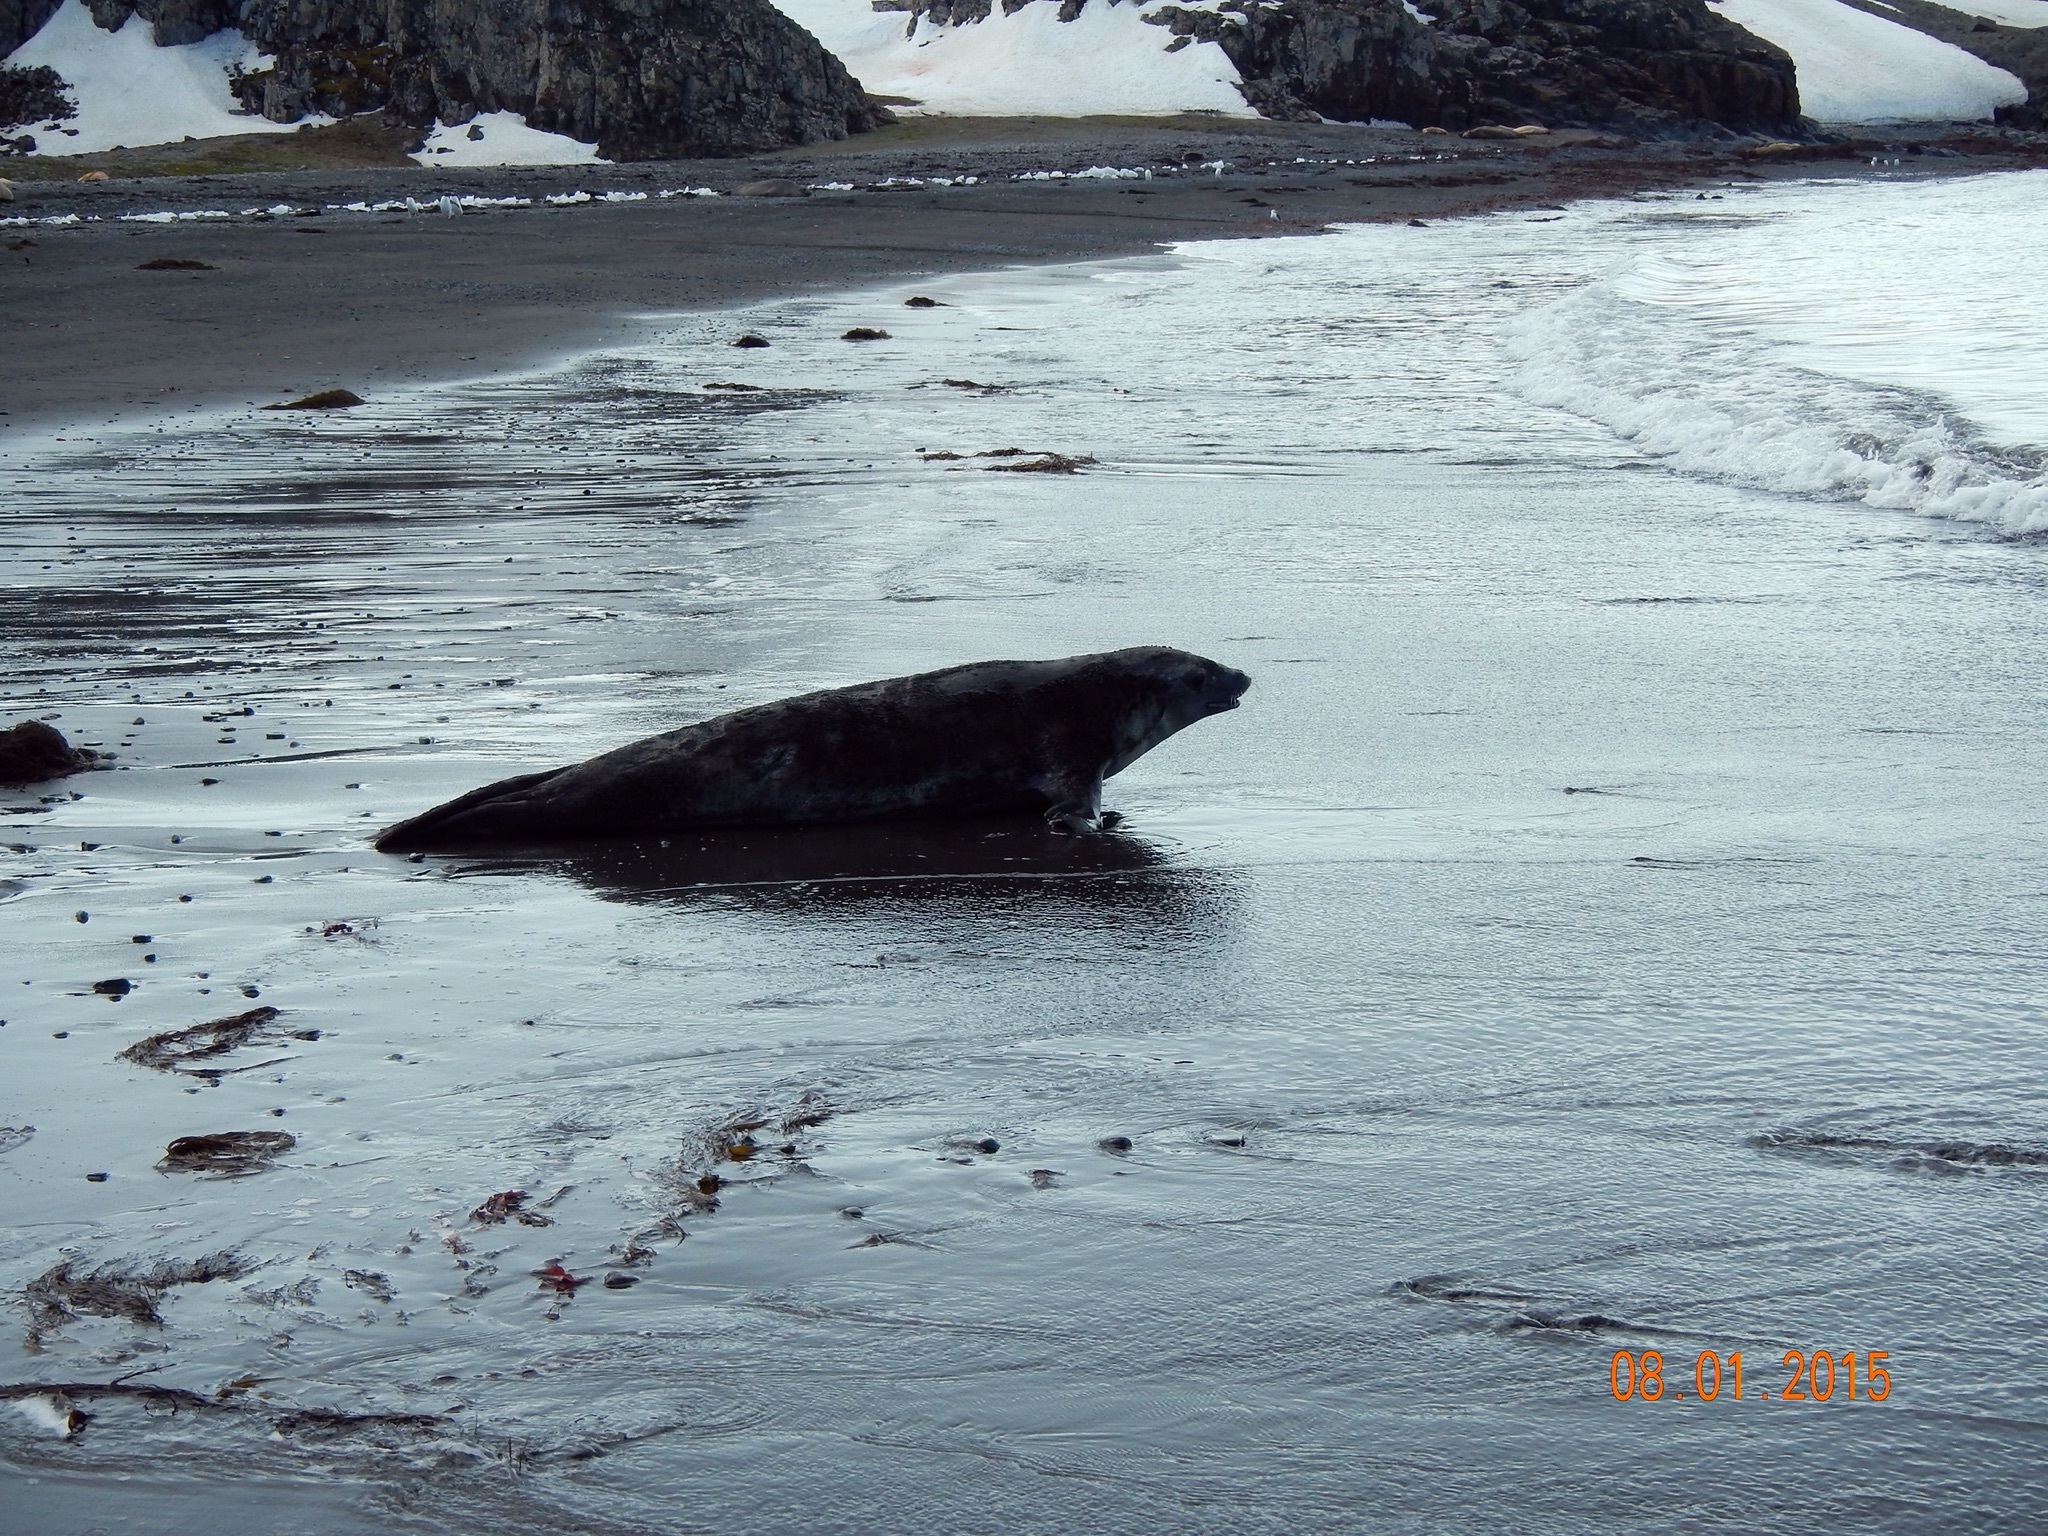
(131, 93)
(176, 218)
(502, 138)
(2007, 13)
(1107, 60)
(1858, 68)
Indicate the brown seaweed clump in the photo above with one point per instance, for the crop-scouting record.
(324, 400)
(33, 752)
(174, 1050)
(63, 1294)
(1046, 464)
(226, 1154)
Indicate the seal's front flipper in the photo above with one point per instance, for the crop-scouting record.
(1072, 818)
(1076, 808)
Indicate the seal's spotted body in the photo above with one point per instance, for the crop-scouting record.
(990, 738)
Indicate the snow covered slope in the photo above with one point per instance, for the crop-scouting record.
(129, 91)
(1858, 68)
(1027, 64)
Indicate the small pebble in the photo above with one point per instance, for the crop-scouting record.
(95, 1178)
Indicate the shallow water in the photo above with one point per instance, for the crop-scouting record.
(1612, 922)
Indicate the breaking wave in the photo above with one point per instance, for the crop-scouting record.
(1718, 403)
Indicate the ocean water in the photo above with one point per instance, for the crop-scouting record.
(1612, 923)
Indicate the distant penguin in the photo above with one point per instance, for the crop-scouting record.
(450, 208)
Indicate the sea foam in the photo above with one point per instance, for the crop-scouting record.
(1708, 401)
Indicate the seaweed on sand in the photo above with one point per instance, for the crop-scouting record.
(64, 1293)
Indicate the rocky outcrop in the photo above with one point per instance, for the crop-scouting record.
(641, 79)
(21, 20)
(175, 22)
(33, 752)
(1649, 65)
(32, 95)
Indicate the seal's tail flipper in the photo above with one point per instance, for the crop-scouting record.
(492, 814)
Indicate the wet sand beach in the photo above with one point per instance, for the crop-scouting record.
(313, 297)
(1611, 924)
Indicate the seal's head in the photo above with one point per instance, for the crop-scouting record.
(1173, 690)
(1197, 687)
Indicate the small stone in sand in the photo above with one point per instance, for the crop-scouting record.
(751, 340)
(865, 333)
(919, 301)
(774, 186)
(174, 264)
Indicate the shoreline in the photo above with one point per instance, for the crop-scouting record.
(376, 299)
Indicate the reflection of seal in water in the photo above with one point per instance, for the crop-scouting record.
(992, 738)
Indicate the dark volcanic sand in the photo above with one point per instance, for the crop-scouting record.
(298, 304)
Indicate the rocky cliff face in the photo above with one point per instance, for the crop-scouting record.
(641, 79)
(1641, 64)
(1648, 65)
(21, 20)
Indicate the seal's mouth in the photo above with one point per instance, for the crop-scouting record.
(1227, 689)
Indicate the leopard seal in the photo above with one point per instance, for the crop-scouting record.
(988, 738)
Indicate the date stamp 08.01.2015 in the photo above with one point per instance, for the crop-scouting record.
(1819, 1377)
